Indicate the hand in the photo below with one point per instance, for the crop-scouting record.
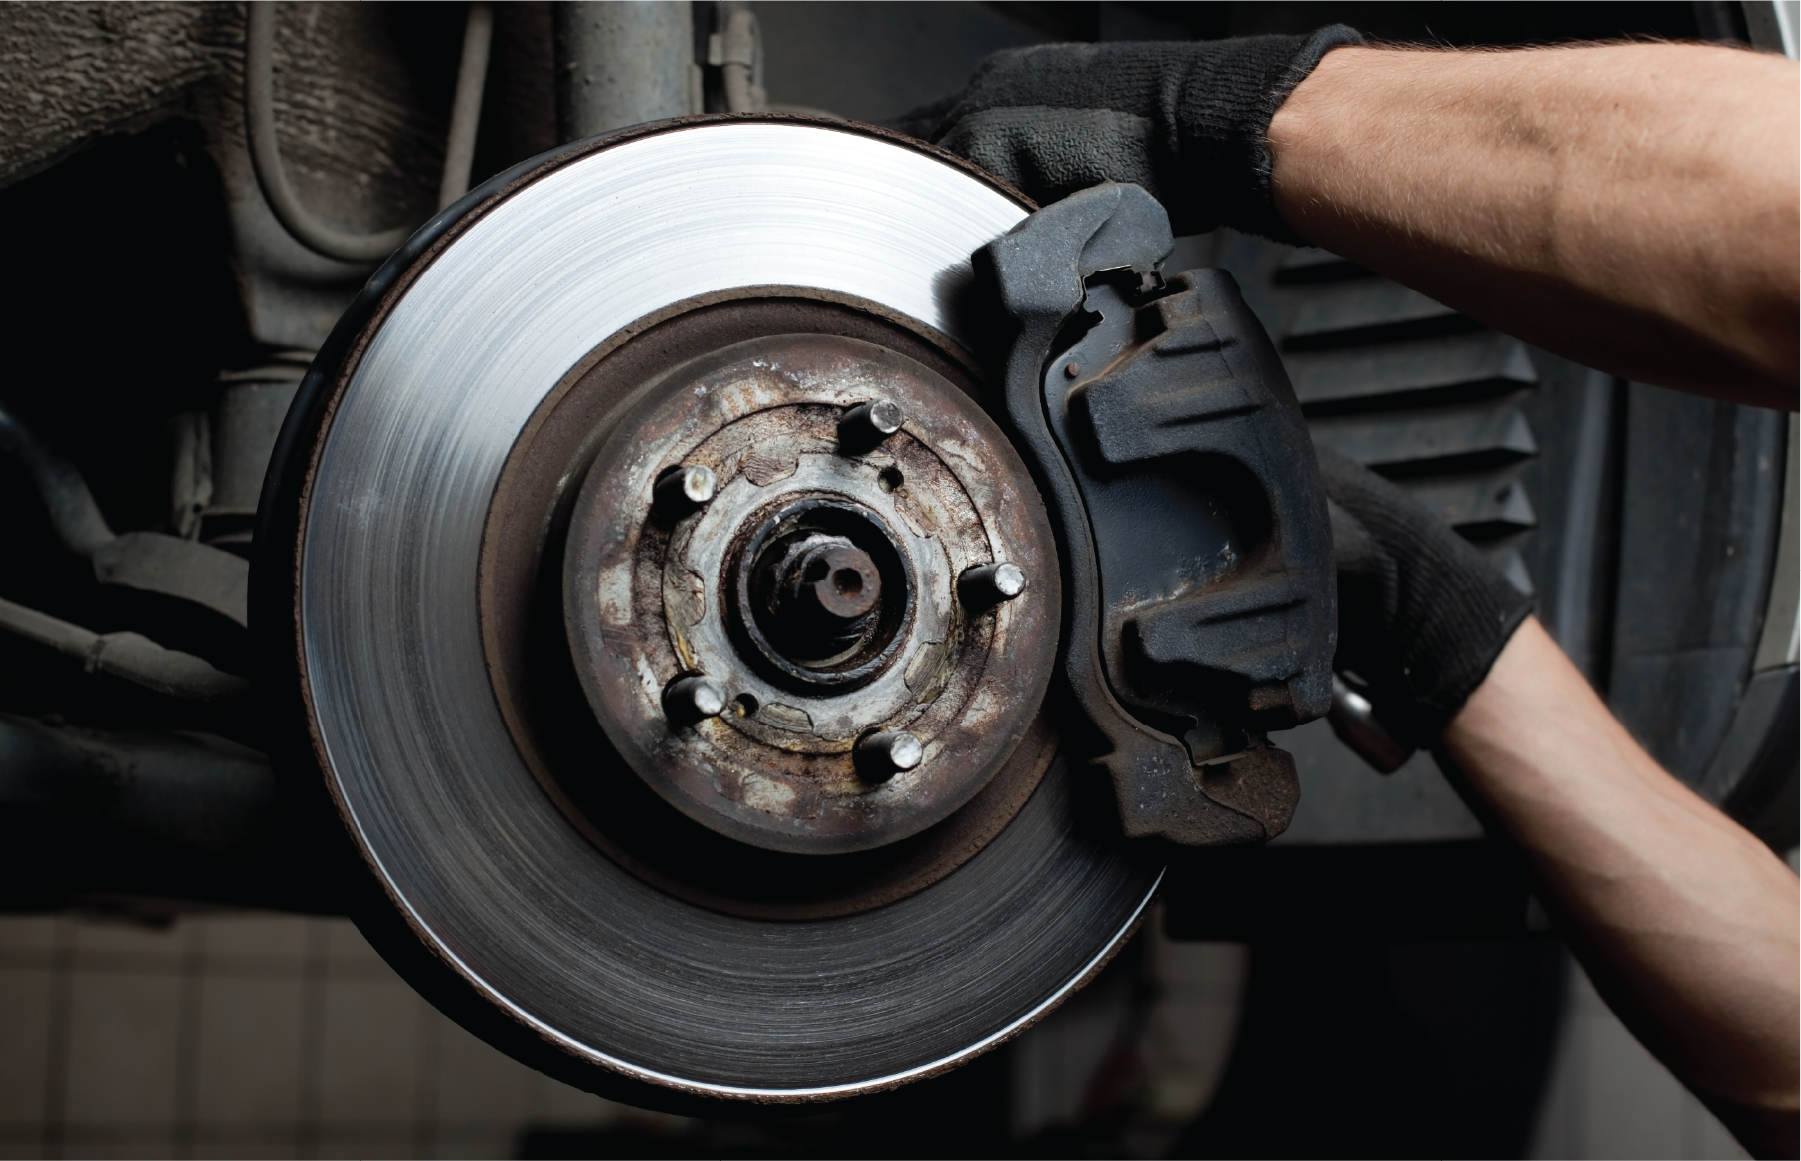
(1188, 121)
(1421, 614)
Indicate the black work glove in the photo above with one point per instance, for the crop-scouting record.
(1421, 614)
(1187, 120)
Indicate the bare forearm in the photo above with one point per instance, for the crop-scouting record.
(1632, 207)
(1688, 925)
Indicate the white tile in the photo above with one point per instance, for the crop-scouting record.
(248, 1059)
(122, 1047)
(555, 1103)
(28, 932)
(1200, 971)
(478, 1143)
(345, 945)
(365, 1142)
(477, 1083)
(256, 934)
(119, 1151)
(1559, 1111)
(247, 1151)
(1192, 1036)
(1609, 1097)
(1054, 1061)
(24, 1044)
(1634, 1105)
(370, 1052)
(127, 946)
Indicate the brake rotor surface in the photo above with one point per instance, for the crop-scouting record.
(497, 758)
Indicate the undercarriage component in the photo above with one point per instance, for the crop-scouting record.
(674, 628)
(130, 656)
(1196, 540)
(265, 150)
(151, 562)
(623, 64)
(192, 790)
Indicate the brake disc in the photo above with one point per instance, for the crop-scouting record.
(673, 626)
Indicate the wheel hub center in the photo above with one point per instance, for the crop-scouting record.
(777, 595)
(822, 591)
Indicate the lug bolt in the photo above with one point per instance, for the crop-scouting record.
(693, 698)
(886, 753)
(686, 488)
(987, 585)
(869, 423)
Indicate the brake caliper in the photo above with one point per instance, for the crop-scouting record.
(1199, 583)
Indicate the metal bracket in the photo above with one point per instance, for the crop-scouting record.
(1198, 552)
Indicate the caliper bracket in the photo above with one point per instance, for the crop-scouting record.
(1201, 600)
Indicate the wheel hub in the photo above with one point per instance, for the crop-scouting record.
(811, 598)
(816, 591)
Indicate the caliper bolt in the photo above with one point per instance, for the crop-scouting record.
(693, 698)
(686, 488)
(869, 423)
(886, 753)
(987, 585)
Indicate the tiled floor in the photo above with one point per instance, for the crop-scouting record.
(245, 1036)
(1186, 1041)
(1608, 1097)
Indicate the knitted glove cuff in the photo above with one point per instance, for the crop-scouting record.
(1225, 114)
(1422, 615)
(1188, 121)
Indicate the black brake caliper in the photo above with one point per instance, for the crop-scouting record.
(1198, 555)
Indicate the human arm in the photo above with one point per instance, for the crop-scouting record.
(1636, 208)
(1633, 207)
(1686, 923)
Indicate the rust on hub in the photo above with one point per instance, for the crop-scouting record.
(818, 586)
(768, 809)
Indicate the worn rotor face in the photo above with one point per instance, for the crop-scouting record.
(602, 437)
(816, 585)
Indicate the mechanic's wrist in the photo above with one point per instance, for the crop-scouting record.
(1532, 702)
(1300, 132)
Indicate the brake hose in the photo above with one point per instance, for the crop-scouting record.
(265, 153)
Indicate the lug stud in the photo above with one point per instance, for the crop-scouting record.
(886, 753)
(869, 423)
(987, 585)
(693, 698)
(686, 488)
